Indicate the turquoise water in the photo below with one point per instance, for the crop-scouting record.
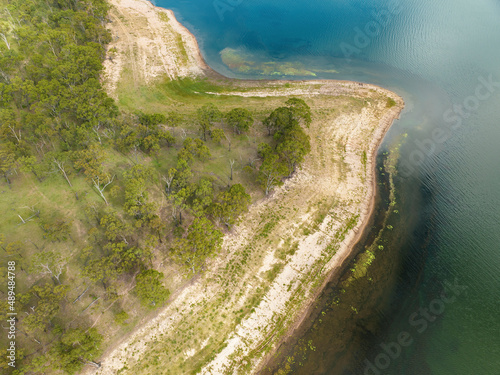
(443, 57)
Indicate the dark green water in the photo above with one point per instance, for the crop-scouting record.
(443, 57)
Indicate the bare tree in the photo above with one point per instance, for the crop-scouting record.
(16, 134)
(81, 295)
(60, 165)
(5, 40)
(184, 134)
(168, 179)
(231, 163)
(49, 263)
(100, 187)
(35, 213)
(95, 129)
(95, 364)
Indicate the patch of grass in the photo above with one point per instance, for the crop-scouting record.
(390, 103)
(275, 270)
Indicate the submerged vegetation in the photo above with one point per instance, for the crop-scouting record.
(97, 197)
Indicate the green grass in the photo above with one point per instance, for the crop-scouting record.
(390, 103)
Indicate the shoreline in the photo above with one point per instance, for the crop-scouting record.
(335, 273)
(335, 266)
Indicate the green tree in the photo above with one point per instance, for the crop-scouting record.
(201, 196)
(7, 163)
(217, 135)
(203, 240)
(136, 193)
(192, 148)
(240, 119)
(77, 348)
(207, 116)
(294, 147)
(179, 202)
(124, 257)
(150, 120)
(31, 164)
(280, 119)
(150, 289)
(47, 305)
(100, 270)
(174, 119)
(302, 112)
(56, 230)
(114, 227)
(271, 171)
(182, 175)
(229, 204)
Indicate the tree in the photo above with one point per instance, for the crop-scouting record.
(207, 116)
(271, 171)
(201, 195)
(124, 258)
(229, 204)
(201, 150)
(60, 161)
(293, 148)
(149, 288)
(49, 299)
(240, 119)
(100, 270)
(301, 110)
(168, 179)
(150, 120)
(203, 240)
(49, 262)
(150, 135)
(217, 135)
(31, 164)
(192, 148)
(90, 160)
(6, 163)
(280, 119)
(114, 227)
(179, 202)
(174, 119)
(56, 230)
(77, 348)
(182, 175)
(136, 195)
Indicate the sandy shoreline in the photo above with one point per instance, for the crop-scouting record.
(343, 259)
(248, 334)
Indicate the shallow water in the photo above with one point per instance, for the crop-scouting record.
(435, 54)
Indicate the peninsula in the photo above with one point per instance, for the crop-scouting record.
(159, 217)
(276, 259)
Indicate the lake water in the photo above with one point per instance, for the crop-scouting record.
(443, 57)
